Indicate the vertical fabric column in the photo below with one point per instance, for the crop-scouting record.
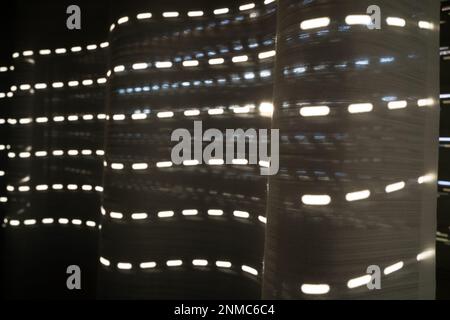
(196, 229)
(358, 117)
(443, 216)
(54, 111)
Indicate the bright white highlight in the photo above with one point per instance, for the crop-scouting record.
(315, 111)
(315, 23)
(315, 288)
(316, 200)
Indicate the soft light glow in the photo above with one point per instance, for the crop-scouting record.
(117, 166)
(360, 108)
(42, 120)
(147, 265)
(165, 214)
(397, 104)
(91, 224)
(192, 113)
(144, 15)
(221, 11)
(396, 22)
(42, 187)
(426, 25)
(189, 163)
(241, 214)
(200, 262)
(190, 63)
(171, 14)
(267, 54)
(14, 223)
(266, 109)
(262, 219)
(241, 162)
(358, 19)
(139, 216)
(57, 85)
(223, 264)
(119, 68)
(358, 282)
(75, 49)
(165, 114)
(425, 102)
(315, 23)
(139, 116)
(393, 268)
(315, 111)
(122, 20)
(216, 162)
(239, 59)
(48, 221)
(163, 64)
(359, 195)
(190, 212)
(247, 6)
(77, 222)
(29, 222)
(73, 83)
(124, 266)
(164, 164)
(60, 51)
(140, 66)
(116, 215)
(174, 263)
(425, 255)
(215, 212)
(119, 117)
(316, 200)
(58, 119)
(195, 13)
(45, 52)
(105, 262)
(216, 61)
(315, 289)
(40, 86)
(250, 270)
(87, 82)
(139, 166)
(63, 221)
(395, 187)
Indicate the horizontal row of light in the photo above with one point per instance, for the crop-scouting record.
(192, 63)
(265, 109)
(56, 186)
(58, 51)
(365, 20)
(191, 14)
(186, 212)
(178, 263)
(357, 108)
(55, 153)
(321, 289)
(49, 221)
(324, 199)
(5, 69)
(187, 163)
(57, 85)
(263, 74)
